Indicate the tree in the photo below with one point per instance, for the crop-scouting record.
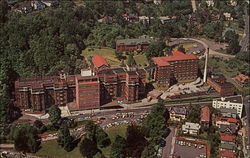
(88, 148)
(135, 141)
(131, 60)
(154, 126)
(5, 115)
(193, 114)
(102, 138)
(3, 10)
(181, 49)
(118, 147)
(233, 46)
(65, 140)
(149, 151)
(26, 139)
(39, 126)
(54, 114)
(155, 50)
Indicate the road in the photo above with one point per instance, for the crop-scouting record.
(247, 109)
(245, 40)
(212, 53)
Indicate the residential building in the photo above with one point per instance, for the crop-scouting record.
(228, 112)
(177, 113)
(219, 83)
(228, 147)
(210, 3)
(228, 16)
(135, 44)
(38, 5)
(226, 121)
(231, 129)
(205, 116)
(190, 128)
(243, 80)
(178, 66)
(231, 102)
(228, 139)
(227, 154)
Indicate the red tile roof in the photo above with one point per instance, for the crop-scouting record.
(228, 138)
(177, 55)
(205, 113)
(232, 120)
(242, 78)
(99, 61)
(226, 154)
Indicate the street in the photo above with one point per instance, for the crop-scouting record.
(245, 40)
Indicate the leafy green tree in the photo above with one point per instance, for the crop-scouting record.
(102, 138)
(118, 147)
(3, 10)
(149, 151)
(155, 124)
(233, 46)
(155, 50)
(135, 141)
(54, 114)
(131, 60)
(193, 114)
(26, 139)
(181, 49)
(65, 140)
(88, 148)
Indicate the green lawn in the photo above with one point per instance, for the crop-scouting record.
(51, 148)
(107, 53)
(141, 60)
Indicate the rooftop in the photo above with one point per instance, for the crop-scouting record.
(228, 138)
(99, 61)
(232, 128)
(135, 41)
(227, 153)
(190, 125)
(226, 110)
(178, 110)
(228, 146)
(232, 99)
(205, 114)
(177, 55)
(242, 78)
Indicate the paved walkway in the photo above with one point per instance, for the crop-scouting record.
(169, 144)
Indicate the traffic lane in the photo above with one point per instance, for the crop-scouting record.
(167, 148)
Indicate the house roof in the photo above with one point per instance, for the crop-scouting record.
(231, 128)
(227, 146)
(242, 78)
(99, 61)
(228, 138)
(227, 153)
(190, 125)
(135, 41)
(177, 55)
(205, 113)
(226, 110)
(178, 110)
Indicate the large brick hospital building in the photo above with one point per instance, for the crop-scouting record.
(92, 88)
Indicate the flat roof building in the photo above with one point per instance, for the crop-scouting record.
(231, 102)
(191, 128)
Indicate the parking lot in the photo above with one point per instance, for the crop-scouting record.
(191, 148)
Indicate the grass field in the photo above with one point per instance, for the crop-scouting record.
(51, 148)
(141, 60)
(107, 53)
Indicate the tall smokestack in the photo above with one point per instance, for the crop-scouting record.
(205, 69)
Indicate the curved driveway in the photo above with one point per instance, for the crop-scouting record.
(212, 53)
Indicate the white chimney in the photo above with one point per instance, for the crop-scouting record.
(205, 69)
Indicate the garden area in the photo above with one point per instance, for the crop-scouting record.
(51, 148)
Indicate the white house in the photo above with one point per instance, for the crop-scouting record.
(231, 102)
(191, 128)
